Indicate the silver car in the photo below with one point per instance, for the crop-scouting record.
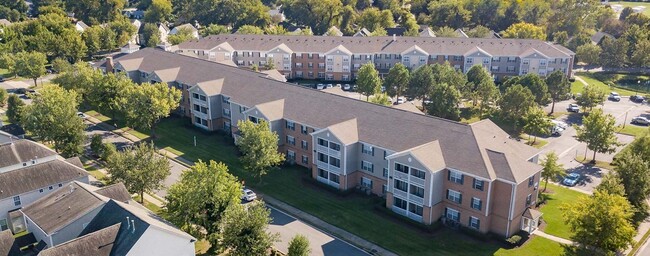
(641, 120)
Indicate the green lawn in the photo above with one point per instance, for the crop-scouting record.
(552, 213)
(120, 124)
(633, 130)
(634, 4)
(152, 207)
(353, 213)
(599, 80)
(536, 246)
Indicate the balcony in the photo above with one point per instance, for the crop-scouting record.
(399, 193)
(329, 151)
(416, 181)
(328, 167)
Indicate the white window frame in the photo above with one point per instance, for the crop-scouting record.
(367, 166)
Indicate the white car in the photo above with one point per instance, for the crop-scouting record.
(614, 96)
(248, 195)
(320, 86)
(400, 100)
(560, 124)
(573, 108)
(641, 120)
(346, 87)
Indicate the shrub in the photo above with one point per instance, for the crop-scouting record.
(108, 150)
(514, 240)
(299, 246)
(96, 145)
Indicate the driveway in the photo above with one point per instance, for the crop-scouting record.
(320, 243)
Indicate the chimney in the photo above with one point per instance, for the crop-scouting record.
(394, 37)
(133, 226)
(109, 65)
(71, 188)
(128, 223)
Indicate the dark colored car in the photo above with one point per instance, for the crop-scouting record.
(571, 179)
(637, 98)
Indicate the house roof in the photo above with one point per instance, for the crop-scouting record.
(76, 161)
(333, 31)
(7, 246)
(82, 25)
(37, 176)
(20, 151)
(596, 38)
(532, 214)
(211, 88)
(347, 132)
(398, 130)
(63, 206)
(116, 191)
(378, 44)
(98, 243)
(274, 74)
(186, 26)
(5, 22)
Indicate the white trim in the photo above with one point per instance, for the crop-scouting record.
(487, 203)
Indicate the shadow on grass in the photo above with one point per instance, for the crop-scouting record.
(570, 250)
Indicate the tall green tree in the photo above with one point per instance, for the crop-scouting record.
(8, 62)
(536, 123)
(449, 13)
(486, 93)
(614, 52)
(259, 146)
(589, 53)
(140, 168)
(590, 97)
(538, 87)
(147, 103)
(183, 35)
(611, 184)
(3, 97)
(158, 11)
(368, 80)
(245, 230)
(214, 29)
(249, 30)
(109, 94)
(299, 246)
(552, 169)
(151, 35)
(641, 55)
(397, 80)
(525, 30)
(92, 37)
(421, 83)
(446, 102)
(373, 18)
(558, 86)
(15, 109)
(52, 117)
(31, 65)
(320, 15)
(601, 221)
(197, 202)
(381, 99)
(80, 78)
(634, 174)
(515, 103)
(94, 12)
(599, 132)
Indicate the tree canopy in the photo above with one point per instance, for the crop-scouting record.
(259, 146)
(599, 132)
(368, 80)
(245, 230)
(552, 169)
(397, 80)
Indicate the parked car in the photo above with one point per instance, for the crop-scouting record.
(346, 87)
(613, 96)
(641, 120)
(355, 87)
(637, 98)
(338, 85)
(248, 195)
(82, 115)
(573, 108)
(400, 100)
(320, 86)
(20, 91)
(557, 131)
(2, 79)
(560, 124)
(571, 179)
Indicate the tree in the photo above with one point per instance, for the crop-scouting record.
(445, 105)
(516, 102)
(94, 12)
(373, 18)
(446, 32)
(589, 53)
(449, 13)
(108, 150)
(536, 123)
(397, 80)
(320, 15)
(381, 99)
(197, 202)
(148, 103)
(214, 29)
(552, 169)
(558, 86)
(158, 11)
(590, 98)
(421, 82)
(140, 168)
(368, 80)
(249, 30)
(561, 37)
(109, 93)
(8, 62)
(523, 30)
(486, 92)
(245, 230)
(107, 39)
(601, 221)
(479, 32)
(614, 52)
(634, 175)
(3, 97)
(641, 55)
(599, 132)
(122, 28)
(299, 246)
(96, 144)
(92, 37)
(80, 78)
(537, 86)
(30, 64)
(61, 65)
(276, 30)
(151, 35)
(52, 117)
(611, 184)
(183, 34)
(15, 109)
(259, 146)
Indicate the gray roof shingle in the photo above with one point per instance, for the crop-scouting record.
(19, 151)
(98, 243)
(38, 176)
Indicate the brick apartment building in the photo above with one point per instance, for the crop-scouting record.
(427, 168)
(339, 58)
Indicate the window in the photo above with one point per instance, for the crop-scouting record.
(510, 68)
(496, 59)
(400, 203)
(478, 184)
(486, 61)
(423, 59)
(385, 172)
(415, 209)
(469, 60)
(383, 189)
(204, 110)
(401, 185)
(242, 109)
(367, 166)
(455, 177)
(194, 95)
(476, 203)
(529, 199)
(322, 142)
(291, 155)
(225, 99)
(291, 125)
(457, 58)
(305, 159)
(50, 187)
(226, 112)
(203, 98)
(495, 68)
(365, 182)
(321, 65)
(335, 146)
(401, 168)
(531, 181)
(322, 157)
(197, 107)
(512, 59)
(197, 120)
(291, 140)
(406, 59)
(474, 222)
(334, 178)
(526, 61)
(304, 144)
(416, 191)
(253, 119)
(335, 162)
(454, 196)
(303, 129)
(524, 71)
(322, 173)
(452, 214)
(16, 200)
(417, 173)
(367, 149)
(542, 62)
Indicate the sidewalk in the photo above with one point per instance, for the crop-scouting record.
(331, 229)
(552, 237)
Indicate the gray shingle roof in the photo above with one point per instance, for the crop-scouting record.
(365, 45)
(19, 151)
(7, 246)
(116, 191)
(98, 243)
(382, 126)
(38, 176)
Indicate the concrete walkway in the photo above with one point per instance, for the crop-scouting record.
(552, 237)
(581, 80)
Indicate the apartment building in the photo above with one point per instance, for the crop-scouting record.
(339, 58)
(427, 168)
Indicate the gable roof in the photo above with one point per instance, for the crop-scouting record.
(185, 26)
(7, 245)
(347, 132)
(5, 22)
(63, 206)
(98, 243)
(76, 161)
(272, 110)
(386, 127)
(333, 31)
(211, 88)
(20, 151)
(38, 176)
(274, 74)
(116, 191)
(82, 25)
